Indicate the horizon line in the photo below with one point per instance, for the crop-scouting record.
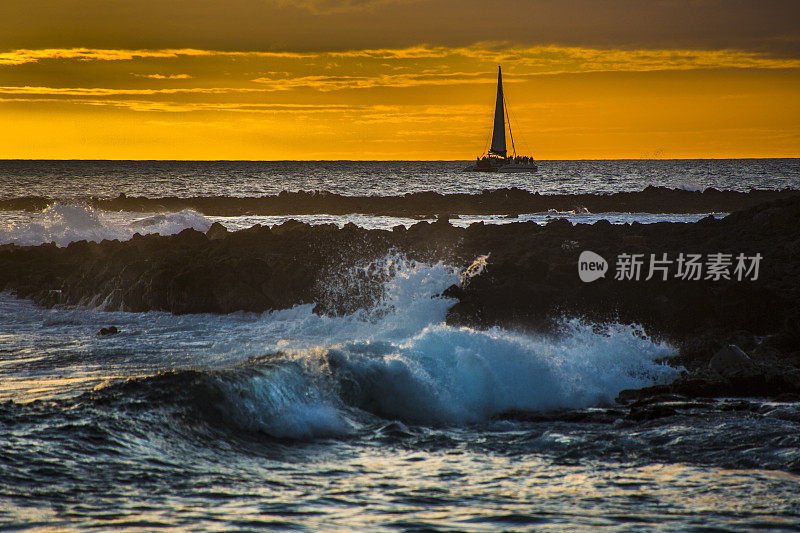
(5, 159)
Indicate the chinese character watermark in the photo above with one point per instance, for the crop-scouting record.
(662, 267)
(629, 266)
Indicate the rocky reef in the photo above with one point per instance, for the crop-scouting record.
(735, 337)
(501, 201)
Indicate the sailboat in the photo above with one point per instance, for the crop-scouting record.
(498, 159)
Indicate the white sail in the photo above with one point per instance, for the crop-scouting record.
(499, 132)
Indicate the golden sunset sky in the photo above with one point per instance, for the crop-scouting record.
(397, 79)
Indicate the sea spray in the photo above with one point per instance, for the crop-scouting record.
(63, 223)
(331, 375)
(399, 360)
(393, 288)
(280, 400)
(447, 375)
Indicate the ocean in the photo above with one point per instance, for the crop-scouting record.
(67, 184)
(76, 179)
(384, 419)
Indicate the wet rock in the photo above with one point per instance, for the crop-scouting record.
(650, 412)
(189, 237)
(730, 361)
(634, 395)
(559, 224)
(110, 330)
(634, 240)
(530, 280)
(788, 397)
(513, 200)
(453, 291)
(217, 231)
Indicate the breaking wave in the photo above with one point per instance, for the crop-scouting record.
(65, 223)
(399, 360)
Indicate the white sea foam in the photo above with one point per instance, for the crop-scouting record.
(397, 360)
(449, 375)
(66, 223)
(400, 360)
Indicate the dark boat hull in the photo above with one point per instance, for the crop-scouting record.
(501, 166)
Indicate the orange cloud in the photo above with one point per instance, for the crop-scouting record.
(359, 103)
(335, 83)
(102, 91)
(22, 56)
(542, 59)
(165, 77)
(339, 6)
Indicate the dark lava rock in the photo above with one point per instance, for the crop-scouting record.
(513, 200)
(650, 412)
(217, 231)
(731, 361)
(529, 282)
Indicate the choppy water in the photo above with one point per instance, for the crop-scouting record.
(71, 179)
(386, 419)
(66, 223)
(68, 182)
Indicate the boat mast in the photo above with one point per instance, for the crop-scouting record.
(510, 134)
(499, 130)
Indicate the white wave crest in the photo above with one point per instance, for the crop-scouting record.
(402, 361)
(447, 375)
(282, 402)
(334, 374)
